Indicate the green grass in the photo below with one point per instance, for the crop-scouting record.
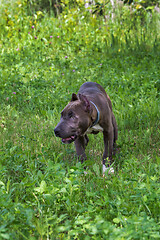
(44, 192)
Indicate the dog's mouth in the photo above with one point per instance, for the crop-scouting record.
(69, 139)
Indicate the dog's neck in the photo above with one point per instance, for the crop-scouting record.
(98, 115)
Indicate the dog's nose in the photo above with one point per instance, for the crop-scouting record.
(56, 131)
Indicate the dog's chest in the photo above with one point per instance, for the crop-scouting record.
(95, 129)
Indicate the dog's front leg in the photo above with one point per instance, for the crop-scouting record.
(80, 148)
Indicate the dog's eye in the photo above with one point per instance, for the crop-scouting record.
(70, 114)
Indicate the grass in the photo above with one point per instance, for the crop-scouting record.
(44, 193)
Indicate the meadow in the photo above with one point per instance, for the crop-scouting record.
(44, 59)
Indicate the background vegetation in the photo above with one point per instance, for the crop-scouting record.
(48, 49)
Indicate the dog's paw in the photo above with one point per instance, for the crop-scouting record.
(108, 170)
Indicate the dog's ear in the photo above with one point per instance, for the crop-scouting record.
(86, 103)
(74, 97)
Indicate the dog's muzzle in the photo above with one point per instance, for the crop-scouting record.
(65, 140)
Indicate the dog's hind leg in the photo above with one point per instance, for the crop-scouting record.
(108, 145)
(108, 148)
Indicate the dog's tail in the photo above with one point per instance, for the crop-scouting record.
(109, 102)
(113, 120)
(115, 128)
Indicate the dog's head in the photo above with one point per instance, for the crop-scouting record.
(75, 119)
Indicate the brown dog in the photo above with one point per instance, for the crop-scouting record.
(90, 111)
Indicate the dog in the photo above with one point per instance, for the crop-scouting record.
(89, 111)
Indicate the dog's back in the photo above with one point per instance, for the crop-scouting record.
(94, 88)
